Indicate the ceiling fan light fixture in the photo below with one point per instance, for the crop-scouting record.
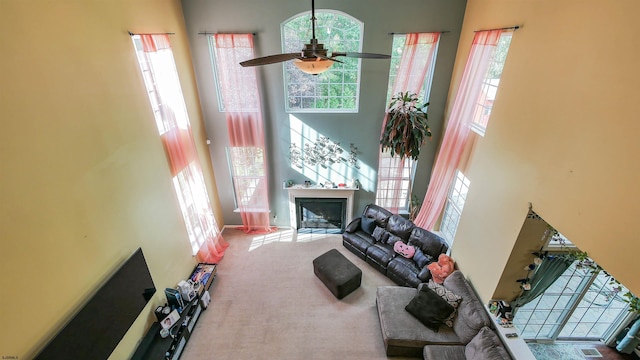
(313, 67)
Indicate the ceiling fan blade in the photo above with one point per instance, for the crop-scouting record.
(271, 59)
(361, 55)
(327, 58)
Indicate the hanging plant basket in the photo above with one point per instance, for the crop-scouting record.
(407, 128)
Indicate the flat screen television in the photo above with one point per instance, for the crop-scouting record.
(95, 330)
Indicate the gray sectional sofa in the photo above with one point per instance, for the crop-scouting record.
(472, 336)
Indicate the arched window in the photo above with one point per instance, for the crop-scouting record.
(336, 90)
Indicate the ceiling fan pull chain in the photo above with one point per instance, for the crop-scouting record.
(313, 19)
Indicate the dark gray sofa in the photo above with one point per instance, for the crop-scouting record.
(378, 252)
(472, 335)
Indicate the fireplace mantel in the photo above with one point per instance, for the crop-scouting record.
(300, 191)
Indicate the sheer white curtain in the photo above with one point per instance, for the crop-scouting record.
(165, 94)
(458, 127)
(242, 105)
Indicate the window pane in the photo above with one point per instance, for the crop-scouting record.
(391, 188)
(453, 207)
(338, 32)
(487, 95)
(396, 54)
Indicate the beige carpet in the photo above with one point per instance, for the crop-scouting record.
(266, 303)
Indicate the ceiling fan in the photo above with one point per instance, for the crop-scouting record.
(313, 58)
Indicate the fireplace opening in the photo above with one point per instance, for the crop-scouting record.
(321, 213)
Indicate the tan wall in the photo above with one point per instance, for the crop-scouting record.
(85, 180)
(563, 135)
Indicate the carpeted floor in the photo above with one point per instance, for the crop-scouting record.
(266, 303)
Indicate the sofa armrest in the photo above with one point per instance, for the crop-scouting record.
(353, 226)
(439, 352)
(425, 274)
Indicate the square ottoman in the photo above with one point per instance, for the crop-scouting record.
(337, 273)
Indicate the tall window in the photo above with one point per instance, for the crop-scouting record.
(397, 48)
(165, 95)
(453, 207)
(247, 167)
(335, 90)
(394, 182)
(487, 96)
(411, 69)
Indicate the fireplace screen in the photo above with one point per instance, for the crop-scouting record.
(325, 213)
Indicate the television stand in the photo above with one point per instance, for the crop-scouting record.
(153, 346)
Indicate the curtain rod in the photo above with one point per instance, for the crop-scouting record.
(213, 33)
(405, 33)
(515, 27)
(165, 33)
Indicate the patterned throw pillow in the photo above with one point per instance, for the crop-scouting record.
(448, 295)
(380, 234)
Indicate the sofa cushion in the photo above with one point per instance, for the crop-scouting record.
(401, 329)
(486, 345)
(403, 272)
(421, 259)
(400, 227)
(358, 240)
(472, 315)
(379, 213)
(378, 256)
(449, 296)
(443, 352)
(380, 234)
(428, 242)
(367, 224)
(429, 308)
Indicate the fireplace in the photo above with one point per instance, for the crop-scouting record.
(319, 206)
(327, 213)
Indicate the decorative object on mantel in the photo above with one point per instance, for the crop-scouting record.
(323, 152)
(406, 128)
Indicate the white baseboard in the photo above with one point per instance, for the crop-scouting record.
(240, 226)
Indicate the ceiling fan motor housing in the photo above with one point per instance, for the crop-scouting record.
(313, 50)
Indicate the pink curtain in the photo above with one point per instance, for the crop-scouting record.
(458, 127)
(242, 105)
(417, 56)
(172, 120)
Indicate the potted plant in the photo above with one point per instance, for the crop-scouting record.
(406, 129)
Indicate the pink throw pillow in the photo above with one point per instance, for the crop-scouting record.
(403, 249)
